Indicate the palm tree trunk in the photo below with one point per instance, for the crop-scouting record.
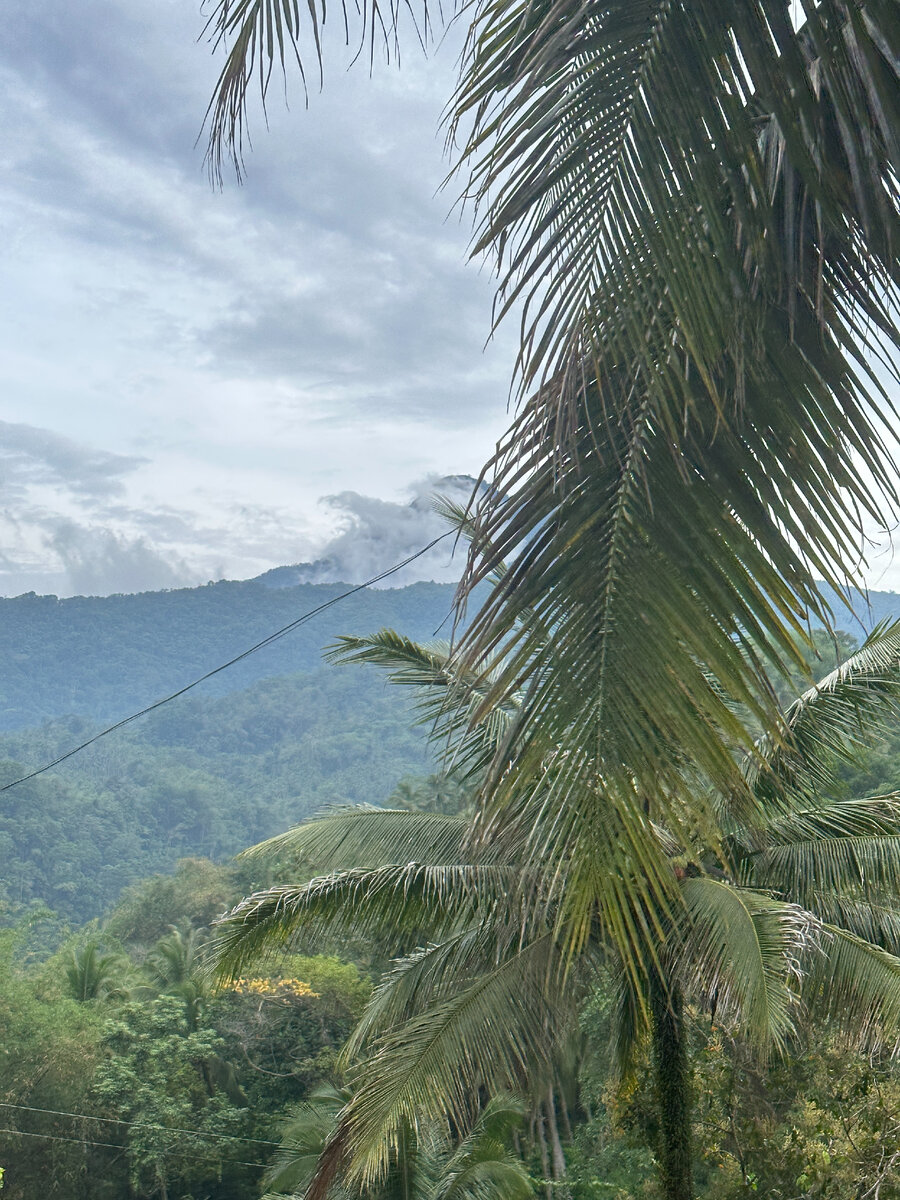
(545, 1157)
(673, 1090)
(559, 1158)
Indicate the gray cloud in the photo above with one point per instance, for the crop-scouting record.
(332, 262)
(98, 562)
(378, 533)
(30, 455)
(313, 332)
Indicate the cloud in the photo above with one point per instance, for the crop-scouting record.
(98, 562)
(73, 522)
(375, 534)
(236, 354)
(333, 263)
(30, 455)
(65, 525)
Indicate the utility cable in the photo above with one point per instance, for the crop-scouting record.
(56, 1137)
(266, 641)
(56, 1112)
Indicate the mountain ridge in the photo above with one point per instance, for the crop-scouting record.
(102, 656)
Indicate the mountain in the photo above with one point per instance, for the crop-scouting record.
(101, 657)
(245, 755)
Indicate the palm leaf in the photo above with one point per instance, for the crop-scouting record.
(591, 158)
(850, 844)
(741, 947)
(302, 1140)
(384, 903)
(844, 712)
(857, 985)
(262, 37)
(481, 1166)
(487, 1032)
(873, 917)
(366, 836)
(705, 425)
(432, 974)
(447, 694)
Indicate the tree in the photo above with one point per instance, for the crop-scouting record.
(176, 967)
(428, 1166)
(93, 975)
(173, 1124)
(801, 914)
(693, 207)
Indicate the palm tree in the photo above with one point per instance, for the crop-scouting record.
(175, 966)
(693, 207)
(479, 1167)
(798, 908)
(93, 975)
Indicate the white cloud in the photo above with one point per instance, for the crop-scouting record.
(238, 354)
(376, 534)
(99, 562)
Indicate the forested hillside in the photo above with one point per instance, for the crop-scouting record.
(253, 751)
(99, 657)
(201, 776)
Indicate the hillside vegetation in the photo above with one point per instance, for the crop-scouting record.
(101, 656)
(249, 753)
(246, 755)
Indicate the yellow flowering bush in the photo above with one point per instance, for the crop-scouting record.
(275, 989)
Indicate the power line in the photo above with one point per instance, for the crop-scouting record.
(57, 1137)
(56, 1112)
(267, 641)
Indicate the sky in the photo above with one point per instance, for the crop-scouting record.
(201, 383)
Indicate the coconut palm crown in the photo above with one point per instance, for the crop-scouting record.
(692, 208)
(795, 909)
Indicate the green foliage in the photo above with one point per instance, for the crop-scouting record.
(50, 1047)
(801, 915)
(428, 1165)
(156, 1074)
(204, 778)
(177, 1090)
(102, 657)
(92, 975)
(196, 892)
(285, 1039)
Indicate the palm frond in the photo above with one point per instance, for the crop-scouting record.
(362, 835)
(489, 1032)
(743, 948)
(261, 38)
(493, 1173)
(302, 1140)
(832, 721)
(853, 844)
(429, 976)
(383, 904)
(629, 1027)
(448, 694)
(688, 162)
(705, 438)
(873, 916)
(857, 985)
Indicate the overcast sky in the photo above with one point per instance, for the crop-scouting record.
(201, 384)
(187, 373)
